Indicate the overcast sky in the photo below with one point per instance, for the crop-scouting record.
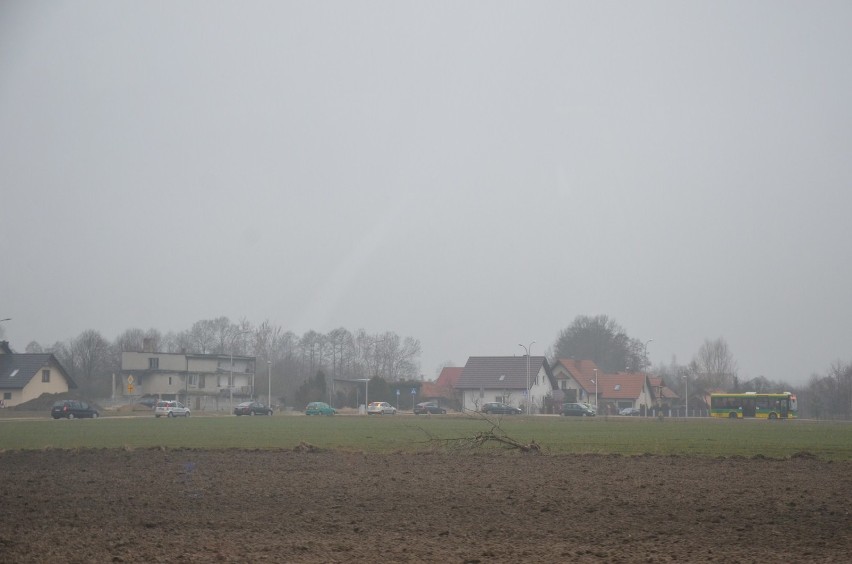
(471, 174)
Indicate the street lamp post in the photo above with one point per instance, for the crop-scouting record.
(596, 390)
(366, 392)
(529, 397)
(646, 348)
(269, 384)
(686, 391)
(231, 378)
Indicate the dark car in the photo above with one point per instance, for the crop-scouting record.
(428, 407)
(72, 409)
(577, 409)
(497, 408)
(252, 408)
(148, 401)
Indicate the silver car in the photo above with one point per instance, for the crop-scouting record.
(380, 408)
(169, 408)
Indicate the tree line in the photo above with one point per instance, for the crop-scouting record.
(305, 366)
(91, 359)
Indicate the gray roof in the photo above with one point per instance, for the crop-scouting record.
(485, 372)
(16, 370)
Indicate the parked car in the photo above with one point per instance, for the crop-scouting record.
(428, 407)
(380, 408)
(629, 411)
(577, 409)
(148, 402)
(319, 408)
(497, 408)
(72, 409)
(252, 408)
(170, 409)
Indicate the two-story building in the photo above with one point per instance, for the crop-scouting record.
(202, 381)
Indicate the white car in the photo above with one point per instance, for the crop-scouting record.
(170, 409)
(380, 408)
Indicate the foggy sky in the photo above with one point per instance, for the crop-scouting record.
(471, 174)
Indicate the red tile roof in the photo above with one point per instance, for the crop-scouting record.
(583, 371)
(449, 376)
(622, 385)
(664, 391)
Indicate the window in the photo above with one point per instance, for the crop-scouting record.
(201, 379)
(45, 375)
(170, 380)
(7, 395)
(153, 363)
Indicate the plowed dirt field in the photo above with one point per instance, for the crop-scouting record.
(288, 506)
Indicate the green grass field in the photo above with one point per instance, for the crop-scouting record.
(407, 433)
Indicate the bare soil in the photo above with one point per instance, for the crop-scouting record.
(302, 506)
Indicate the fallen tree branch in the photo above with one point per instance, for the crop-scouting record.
(494, 435)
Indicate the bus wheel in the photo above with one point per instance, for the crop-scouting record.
(732, 415)
(773, 416)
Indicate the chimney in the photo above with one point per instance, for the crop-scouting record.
(147, 345)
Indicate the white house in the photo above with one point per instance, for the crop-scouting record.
(26, 376)
(504, 379)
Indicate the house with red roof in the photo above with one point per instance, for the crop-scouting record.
(443, 390)
(575, 380)
(663, 396)
(581, 381)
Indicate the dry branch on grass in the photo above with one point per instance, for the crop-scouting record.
(495, 435)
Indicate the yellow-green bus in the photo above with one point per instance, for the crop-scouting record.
(754, 405)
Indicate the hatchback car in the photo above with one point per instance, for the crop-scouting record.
(319, 408)
(497, 408)
(380, 408)
(72, 409)
(252, 408)
(577, 409)
(428, 407)
(170, 409)
(629, 411)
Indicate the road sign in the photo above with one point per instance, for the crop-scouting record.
(130, 379)
(413, 391)
(130, 388)
(397, 392)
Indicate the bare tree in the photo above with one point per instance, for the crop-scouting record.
(92, 361)
(340, 342)
(130, 340)
(715, 366)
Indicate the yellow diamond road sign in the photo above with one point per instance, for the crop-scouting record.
(130, 379)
